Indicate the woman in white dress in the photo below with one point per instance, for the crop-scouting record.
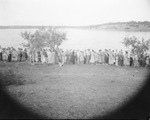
(78, 56)
(96, 57)
(5, 55)
(14, 55)
(116, 58)
(63, 57)
(100, 56)
(42, 56)
(81, 57)
(111, 57)
(49, 54)
(92, 60)
(136, 63)
(126, 59)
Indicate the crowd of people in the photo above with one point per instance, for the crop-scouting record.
(61, 57)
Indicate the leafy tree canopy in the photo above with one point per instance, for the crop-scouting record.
(51, 37)
(137, 46)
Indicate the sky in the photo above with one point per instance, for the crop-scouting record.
(72, 12)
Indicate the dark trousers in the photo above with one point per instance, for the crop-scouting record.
(131, 61)
(1, 56)
(20, 57)
(9, 58)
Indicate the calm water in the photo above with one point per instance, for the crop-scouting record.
(77, 38)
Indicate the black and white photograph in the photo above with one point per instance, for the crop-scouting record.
(74, 59)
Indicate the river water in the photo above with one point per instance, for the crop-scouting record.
(76, 38)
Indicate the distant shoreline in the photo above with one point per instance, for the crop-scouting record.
(131, 26)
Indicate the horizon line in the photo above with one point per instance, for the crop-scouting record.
(72, 25)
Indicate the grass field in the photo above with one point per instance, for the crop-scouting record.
(71, 91)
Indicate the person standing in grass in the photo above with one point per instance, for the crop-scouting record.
(106, 57)
(92, 60)
(5, 55)
(34, 56)
(131, 59)
(30, 55)
(81, 57)
(85, 56)
(100, 56)
(25, 54)
(67, 57)
(147, 61)
(111, 59)
(121, 58)
(45, 57)
(20, 54)
(49, 53)
(136, 63)
(63, 57)
(103, 57)
(39, 56)
(126, 58)
(78, 56)
(116, 58)
(1, 55)
(14, 55)
(96, 57)
(88, 56)
(9, 55)
(53, 57)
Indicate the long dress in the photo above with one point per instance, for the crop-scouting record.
(106, 57)
(63, 57)
(43, 57)
(117, 59)
(73, 57)
(111, 58)
(92, 60)
(136, 60)
(96, 57)
(49, 53)
(121, 59)
(5, 56)
(100, 57)
(81, 57)
(53, 57)
(126, 59)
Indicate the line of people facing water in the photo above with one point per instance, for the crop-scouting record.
(52, 56)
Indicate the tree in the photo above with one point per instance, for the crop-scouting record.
(137, 46)
(54, 37)
(51, 37)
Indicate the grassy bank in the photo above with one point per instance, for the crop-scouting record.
(71, 91)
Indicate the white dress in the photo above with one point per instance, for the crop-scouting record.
(43, 58)
(49, 53)
(92, 60)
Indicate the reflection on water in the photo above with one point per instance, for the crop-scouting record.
(77, 38)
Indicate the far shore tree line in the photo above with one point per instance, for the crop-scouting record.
(54, 37)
